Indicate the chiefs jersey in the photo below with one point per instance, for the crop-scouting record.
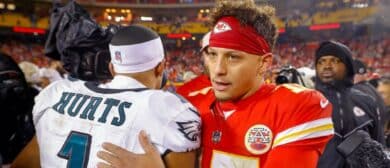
(73, 119)
(196, 89)
(278, 126)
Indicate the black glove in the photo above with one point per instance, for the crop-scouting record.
(361, 151)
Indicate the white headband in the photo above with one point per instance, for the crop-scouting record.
(136, 57)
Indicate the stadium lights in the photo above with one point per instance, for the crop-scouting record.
(2, 5)
(118, 19)
(146, 18)
(125, 10)
(360, 5)
(11, 6)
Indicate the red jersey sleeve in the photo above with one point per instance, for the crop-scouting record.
(304, 128)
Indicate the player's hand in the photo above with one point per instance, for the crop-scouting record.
(117, 157)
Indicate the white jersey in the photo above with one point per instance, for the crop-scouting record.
(74, 118)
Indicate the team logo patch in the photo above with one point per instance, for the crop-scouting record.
(358, 112)
(221, 27)
(118, 56)
(190, 129)
(258, 139)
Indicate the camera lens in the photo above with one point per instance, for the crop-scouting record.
(281, 79)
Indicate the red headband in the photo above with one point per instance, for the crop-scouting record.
(229, 33)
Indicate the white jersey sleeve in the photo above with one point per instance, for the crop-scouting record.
(182, 130)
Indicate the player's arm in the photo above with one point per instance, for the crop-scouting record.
(291, 156)
(29, 156)
(303, 133)
(119, 157)
(184, 159)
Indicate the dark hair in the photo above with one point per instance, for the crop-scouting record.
(249, 14)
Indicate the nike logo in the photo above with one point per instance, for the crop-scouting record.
(324, 103)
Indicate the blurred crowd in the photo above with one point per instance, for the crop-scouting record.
(372, 53)
(186, 64)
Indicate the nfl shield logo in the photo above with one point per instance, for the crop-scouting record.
(216, 136)
(118, 56)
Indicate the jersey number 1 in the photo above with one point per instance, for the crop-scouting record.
(76, 149)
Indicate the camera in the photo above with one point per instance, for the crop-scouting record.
(288, 74)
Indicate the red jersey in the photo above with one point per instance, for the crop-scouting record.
(277, 127)
(196, 89)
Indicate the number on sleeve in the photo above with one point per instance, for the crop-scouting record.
(76, 149)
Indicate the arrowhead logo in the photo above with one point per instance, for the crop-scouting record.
(324, 103)
(358, 112)
(221, 27)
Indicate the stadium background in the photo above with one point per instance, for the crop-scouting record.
(361, 24)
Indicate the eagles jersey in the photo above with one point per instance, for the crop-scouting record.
(74, 118)
(278, 126)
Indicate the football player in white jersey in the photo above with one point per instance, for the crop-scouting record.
(74, 118)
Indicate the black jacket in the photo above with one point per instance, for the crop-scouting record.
(367, 88)
(352, 109)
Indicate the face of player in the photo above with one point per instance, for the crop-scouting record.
(235, 74)
(330, 68)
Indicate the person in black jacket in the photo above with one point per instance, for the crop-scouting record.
(16, 103)
(352, 109)
(364, 86)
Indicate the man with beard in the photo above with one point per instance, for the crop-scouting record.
(352, 109)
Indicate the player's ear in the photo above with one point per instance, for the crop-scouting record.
(159, 70)
(265, 63)
(111, 69)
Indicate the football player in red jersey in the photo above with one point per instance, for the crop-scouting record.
(198, 88)
(248, 123)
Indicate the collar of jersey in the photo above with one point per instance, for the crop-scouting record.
(124, 82)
